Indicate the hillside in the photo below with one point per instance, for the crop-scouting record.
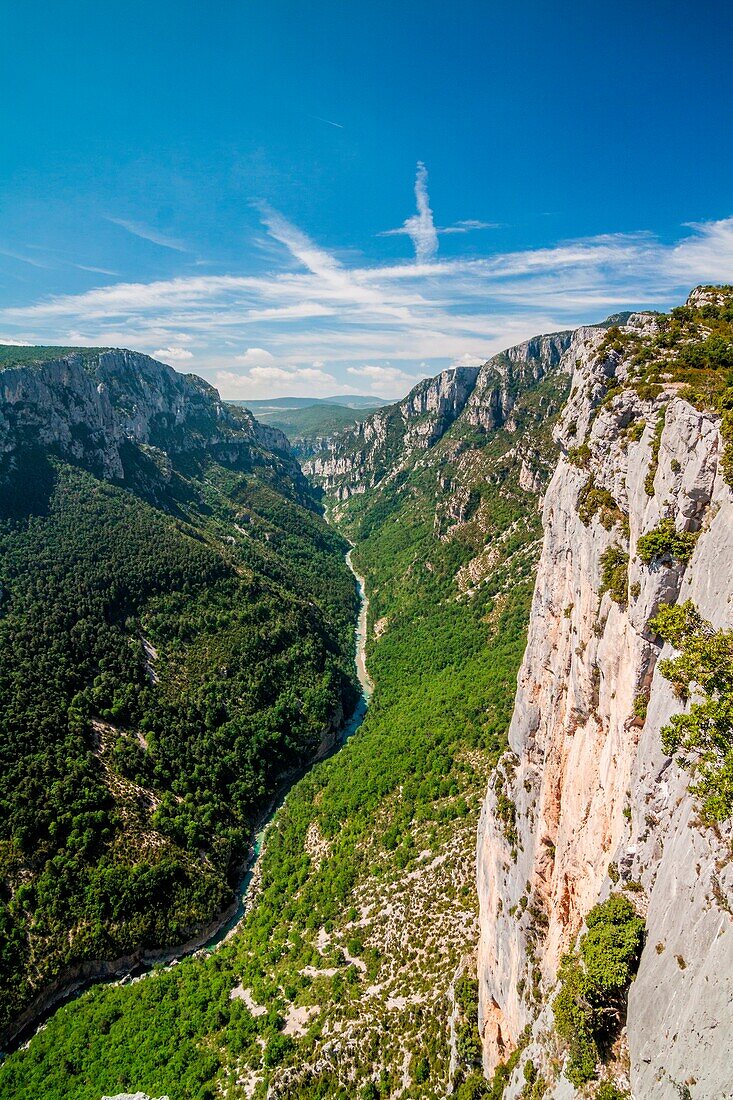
(592, 954)
(387, 826)
(309, 422)
(175, 634)
(606, 837)
(307, 429)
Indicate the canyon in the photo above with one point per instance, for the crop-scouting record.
(426, 894)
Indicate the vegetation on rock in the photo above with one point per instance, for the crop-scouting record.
(665, 543)
(590, 1005)
(702, 675)
(615, 574)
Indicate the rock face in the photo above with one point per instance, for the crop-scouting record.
(89, 406)
(504, 375)
(359, 458)
(586, 802)
(133, 1096)
(482, 397)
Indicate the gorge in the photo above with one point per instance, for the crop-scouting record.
(530, 518)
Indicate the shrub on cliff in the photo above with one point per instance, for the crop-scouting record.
(591, 1001)
(615, 574)
(665, 541)
(704, 735)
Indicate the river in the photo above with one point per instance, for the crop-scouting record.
(136, 967)
(231, 923)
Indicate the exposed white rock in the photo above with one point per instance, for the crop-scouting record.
(134, 1096)
(589, 783)
(359, 457)
(484, 397)
(89, 406)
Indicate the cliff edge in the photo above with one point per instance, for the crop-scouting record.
(586, 803)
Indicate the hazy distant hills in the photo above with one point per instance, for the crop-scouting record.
(309, 421)
(347, 401)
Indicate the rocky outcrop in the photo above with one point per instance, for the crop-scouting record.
(89, 405)
(359, 458)
(509, 373)
(133, 1096)
(479, 397)
(586, 802)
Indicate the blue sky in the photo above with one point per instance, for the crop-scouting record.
(343, 197)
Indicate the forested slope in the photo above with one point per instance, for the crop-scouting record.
(175, 633)
(365, 907)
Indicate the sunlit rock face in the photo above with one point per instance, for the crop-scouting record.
(134, 1096)
(595, 802)
(90, 406)
(478, 397)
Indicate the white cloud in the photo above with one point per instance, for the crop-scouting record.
(272, 381)
(256, 357)
(148, 233)
(21, 258)
(420, 227)
(97, 270)
(387, 381)
(318, 308)
(172, 354)
(468, 360)
(468, 225)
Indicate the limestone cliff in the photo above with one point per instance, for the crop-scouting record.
(586, 802)
(481, 398)
(90, 405)
(510, 372)
(360, 457)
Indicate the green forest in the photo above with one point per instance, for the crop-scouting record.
(163, 663)
(403, 793)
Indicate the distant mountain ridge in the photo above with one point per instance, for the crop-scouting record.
(111, 410)
(348, 401)
(482, 398)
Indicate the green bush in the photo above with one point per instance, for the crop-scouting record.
(607, 1090)
(579, 456)
(654, 460)
(615, 574)
(703, 735)
(475, 1087)
(635, 430)
(590, 1005)
(665, 541)
(593, 500)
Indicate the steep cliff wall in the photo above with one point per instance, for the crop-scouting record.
(481, 398)
(359, 458)
(505, 375)
(586, 802)
(87, 405)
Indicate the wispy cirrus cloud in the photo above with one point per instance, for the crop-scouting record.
(402, 319)
(13, 255)
(149, 233)
(468, 225)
